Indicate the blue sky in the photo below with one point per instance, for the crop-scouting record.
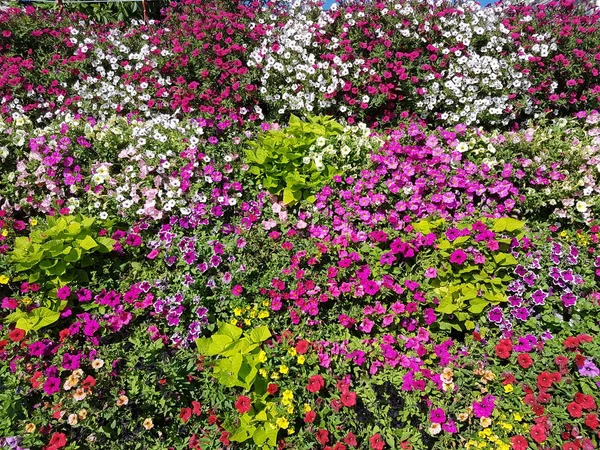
(328, 3)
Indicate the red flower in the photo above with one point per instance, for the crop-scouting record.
(348, 398)
(544, 380)
(544, 397)
(89, 382)
(339, 446)
(315, 384)
(185, 414)
(58, 440)
(224, 438)
(538, 433)
(377, 443)
(591, 420)
(571, 343)
(504, 348)
(310, 417)
(584, 338)
(574, 409)
(212, 419)
(561, 361)
(477, 336)
(570, 446)
(242, 404)
(538, 409)
(579, 360)
(16, 335)
(322, 436)
(350, 439)
(302, 347)
(586, 402)
(518, 443)
(196, 408)
(3, 343)
(525, 360)
(272, 388)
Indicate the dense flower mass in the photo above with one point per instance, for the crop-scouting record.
(266, 225)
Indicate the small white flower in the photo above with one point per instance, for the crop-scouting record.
(581, 206)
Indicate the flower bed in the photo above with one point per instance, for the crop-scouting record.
(188, 260)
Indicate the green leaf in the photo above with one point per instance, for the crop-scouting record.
(87, 243)
(478, 305)
(37, 319)
(260, 334)
(508, 224)
(230, 330)
(288, 196)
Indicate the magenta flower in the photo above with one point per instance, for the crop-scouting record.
(458, 256)
(63, 292)
(52, 385)
(437, 415)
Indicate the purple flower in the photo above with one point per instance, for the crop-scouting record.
(437, 415)
(495, 315)
(84, 295)
(450, 427)
(71, 362)
(458, 256)
(485, 407)
(568, 299)
(589, 369)
(63, 292)
(52, 385)
(431, 272)
(37, 348)
(90, 327)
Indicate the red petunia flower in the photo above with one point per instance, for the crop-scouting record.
(591, 420)
(348, 398)
(302, 347)
(350, 439)
(544, 380)
(58, 440)
(538, 433)
(339, 446)
(376, 441)
(196, 408)
(575, 410)
(242, 404)
(16, 335)
(503, 348)
(272, 388)
(315, 384)
(571, 343)
(310, 417)
(518, 443)
(224, 438)
(570, 446)
(525, 360)
(185, 414)
(561, 361)
(322, 436)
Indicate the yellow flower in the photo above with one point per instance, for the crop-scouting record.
(4, 279)
(301, 359)
(290, 409)
(30, 428)
(33, 222)
(485, 433)
(471, 444)
(508, 388)
(262, 356)
(247, 321)
(506, 426)
(263, 314)
(5, 232)
(503, 446)
(307, 408)
(518, 417)
(291, 431)
(233, 322)
(237, 311)
(122, 400)
(292, 352)
(282, 422)
(73, 419)
(274, 376)
(263, 373)
(82, 414)
(283, 369)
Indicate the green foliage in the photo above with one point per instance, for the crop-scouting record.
(294, 162)
(238, 357)
(467, 289)
(54, 256)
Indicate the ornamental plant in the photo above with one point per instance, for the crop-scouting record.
(476, 267)
(296, 161)
(54, 256)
